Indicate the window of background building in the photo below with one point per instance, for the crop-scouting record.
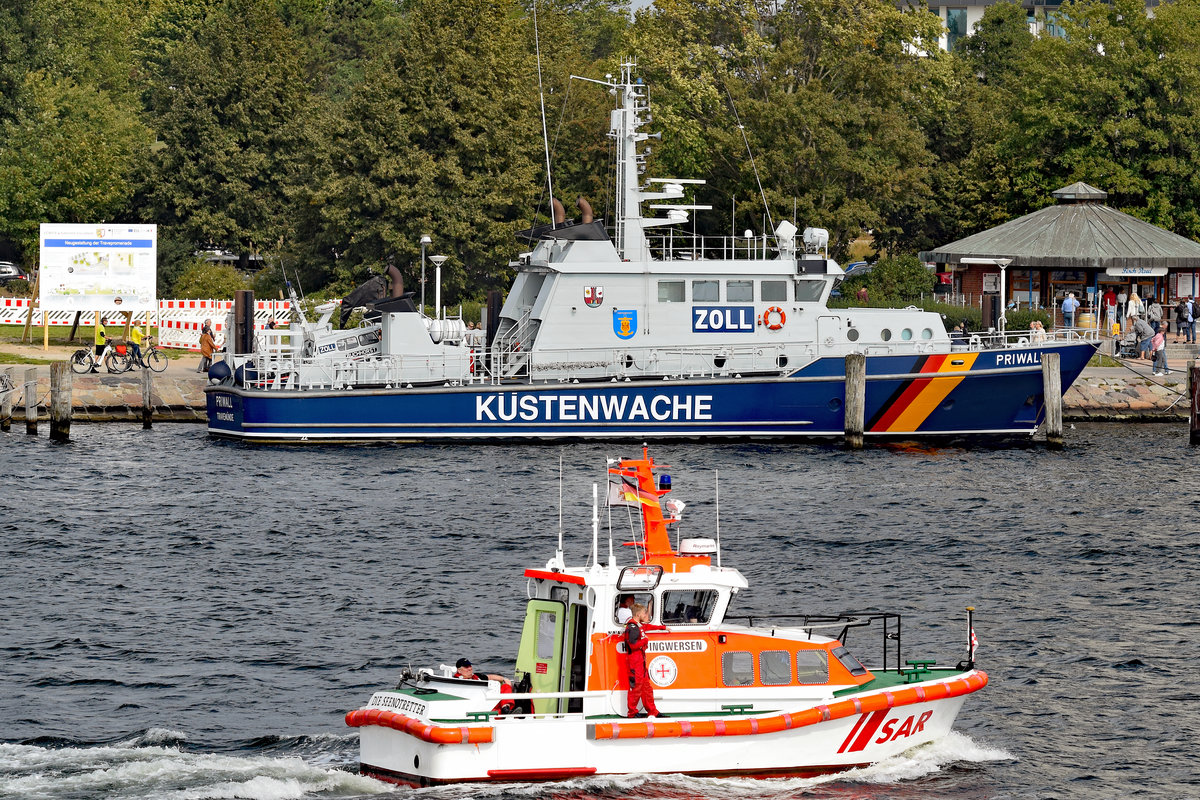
(956, 26)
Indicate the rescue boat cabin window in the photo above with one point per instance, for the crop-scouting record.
(670, 291)
(775, 667)
(809, 291)
(852, 664)
(812, 666)
(739, 291)
(642, 578)
(547, 635)
(737, 668)
(706, 291)
(688, 607)
(774, 291)
(644, 598)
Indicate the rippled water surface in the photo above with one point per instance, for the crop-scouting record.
(191, 619)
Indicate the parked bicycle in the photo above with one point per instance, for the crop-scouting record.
(115, 358)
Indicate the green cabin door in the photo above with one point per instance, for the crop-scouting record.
(540, 654)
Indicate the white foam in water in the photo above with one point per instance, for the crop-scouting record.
(133, 773)
(911, 765)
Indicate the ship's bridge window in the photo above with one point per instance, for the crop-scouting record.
(670, 291)
(706, 291)
(688, 607)
(812, 666)
(809, 291)
(852, 664)
(775, 667)
(737, 668)
(346, 344)
(775, 291)
(643, 598)
(739, 291)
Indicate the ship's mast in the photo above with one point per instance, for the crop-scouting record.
(631, 113)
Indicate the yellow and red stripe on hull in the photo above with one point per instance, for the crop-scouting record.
(910, 405)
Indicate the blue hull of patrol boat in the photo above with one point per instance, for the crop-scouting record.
(961, 393)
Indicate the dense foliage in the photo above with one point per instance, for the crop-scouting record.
(326, 136)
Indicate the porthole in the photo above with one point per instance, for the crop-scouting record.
(927, 333)
(835, 404)
(886, 334)
(719, 362)
(852, 334)
(906, 334)
(781, 361)
(628, 361)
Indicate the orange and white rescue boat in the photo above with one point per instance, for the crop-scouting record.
(736, 698)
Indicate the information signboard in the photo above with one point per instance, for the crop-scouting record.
(98, 267)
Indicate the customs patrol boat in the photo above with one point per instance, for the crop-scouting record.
(736, 696)
(645, 333)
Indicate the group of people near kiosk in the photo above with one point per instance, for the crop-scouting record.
(1144, 326)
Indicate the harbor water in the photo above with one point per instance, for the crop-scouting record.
(186, 618)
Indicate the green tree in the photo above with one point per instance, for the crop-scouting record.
(899, 279)
(440, 138)
(67, 156)
(823, 90)
(236, 124)
(204, 280)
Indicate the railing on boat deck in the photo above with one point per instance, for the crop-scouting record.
(994, 340)
(678, 245)
(890, 627)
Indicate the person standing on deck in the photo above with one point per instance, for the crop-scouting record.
(640, 688)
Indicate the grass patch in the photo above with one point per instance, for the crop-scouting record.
(13, 358)
(1100, 360)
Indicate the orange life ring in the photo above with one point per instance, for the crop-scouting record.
(766, 318)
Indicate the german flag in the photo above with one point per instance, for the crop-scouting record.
(623, 491)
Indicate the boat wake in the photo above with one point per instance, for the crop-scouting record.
(153, 765)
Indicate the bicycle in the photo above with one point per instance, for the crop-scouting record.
(84, 360)
(153, 359)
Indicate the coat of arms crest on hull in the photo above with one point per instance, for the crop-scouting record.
(593, 296)
(625, 323)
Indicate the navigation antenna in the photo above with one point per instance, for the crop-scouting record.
(560, 532)
(545, 136)
(717, 483)
(753, 164)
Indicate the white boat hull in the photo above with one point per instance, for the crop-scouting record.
(562, 746)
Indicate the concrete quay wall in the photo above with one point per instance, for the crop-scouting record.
(118, 398)
(178, 395)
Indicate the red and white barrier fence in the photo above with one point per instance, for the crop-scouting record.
(178, 321)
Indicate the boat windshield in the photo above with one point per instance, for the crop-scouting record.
(688, 607)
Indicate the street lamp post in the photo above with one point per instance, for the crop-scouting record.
(424, 241)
